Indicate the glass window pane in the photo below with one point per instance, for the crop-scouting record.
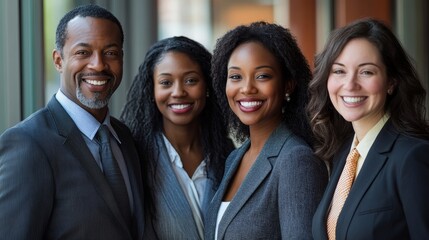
(190, 18)
(53, 11)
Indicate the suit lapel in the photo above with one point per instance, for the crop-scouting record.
(208, 193)
(74, 141)
(131, 159)
(255, 177)
(232, 209)
(132, 162)
(231, 165)
(169, 188)
(374, 162)
(324, 205)
(258, 172)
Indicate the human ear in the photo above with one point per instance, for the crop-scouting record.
(391, 86)
(58, 60)
(290, 86)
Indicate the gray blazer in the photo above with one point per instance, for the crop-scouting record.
(173, 214)
(52, 188)
(279, 195)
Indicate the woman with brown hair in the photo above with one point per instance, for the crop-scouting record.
(368, 102)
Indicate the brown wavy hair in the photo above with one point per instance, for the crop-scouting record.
(405, 104)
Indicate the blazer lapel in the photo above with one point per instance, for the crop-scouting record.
(256, 175)
(239, 198)
(374, 162)
(208, 194)
(171, 191)
(131, 159)
(325, 203)
(132, 162)
(74, 141)
(231, 165)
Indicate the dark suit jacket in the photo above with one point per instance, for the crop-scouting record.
(173, 214)
(390, 196)
(279, 195)
(51, 186)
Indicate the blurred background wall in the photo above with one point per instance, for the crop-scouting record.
(27, 36)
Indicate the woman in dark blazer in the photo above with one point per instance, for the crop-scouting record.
(273, 182)
(366, 95)
(181, 137)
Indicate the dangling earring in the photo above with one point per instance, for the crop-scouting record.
(287, 97)
(207, 93)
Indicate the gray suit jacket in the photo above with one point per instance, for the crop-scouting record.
(173, 214)
(279, 195)
(52, 188)
(389, 198)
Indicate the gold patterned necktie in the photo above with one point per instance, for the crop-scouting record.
(342, 191)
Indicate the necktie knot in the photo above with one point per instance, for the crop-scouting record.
(103, 134)
(353, 156)
(351, 165)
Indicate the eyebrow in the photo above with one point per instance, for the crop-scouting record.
(88, 45)
(169, 74)
(360, 65)
(164, 74)
(259, 67)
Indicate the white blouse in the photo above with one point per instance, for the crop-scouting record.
(194, 188)
(222, 209)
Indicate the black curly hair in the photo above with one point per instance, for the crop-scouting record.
(144, 119)
(283, 46)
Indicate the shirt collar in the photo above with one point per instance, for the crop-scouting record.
(175, 159)
(172, 153)
(365, 144)
(84, 121)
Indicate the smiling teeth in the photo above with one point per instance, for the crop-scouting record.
(353, 99)
(96, 82)
(251, 104)
(180, 106)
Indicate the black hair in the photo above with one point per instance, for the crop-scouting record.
(144, 119)
(283, 46)
(90, 10)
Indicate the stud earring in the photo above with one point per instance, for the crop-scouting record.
(287, 97)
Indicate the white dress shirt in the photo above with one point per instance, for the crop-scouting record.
(194, 188)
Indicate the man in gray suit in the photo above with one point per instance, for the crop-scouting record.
(53, 181)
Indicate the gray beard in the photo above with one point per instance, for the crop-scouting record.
(92, 103)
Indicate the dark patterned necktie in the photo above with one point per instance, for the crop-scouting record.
(113, 174)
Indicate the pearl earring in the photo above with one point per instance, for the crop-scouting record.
(287, 97)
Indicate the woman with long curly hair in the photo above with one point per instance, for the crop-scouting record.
(368, 102)
(173, 114)
(273, 182)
